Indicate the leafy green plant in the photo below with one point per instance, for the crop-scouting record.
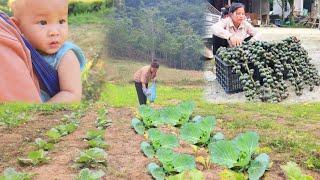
(313, 162)
(237, 154)
(186, 109)
(147, 149)
(174, 162)
(73, 117)
(12, 174)
(42, 144)
(198, 132)
(91, 158)
(156, 171)
(94, 134)
(102, 123)
(231, 175)
(61, 130)
(138, 126)
(193, 174)
(34, 158)
(196, 118)
(12, 119)
(168, 115)
(86, 174)
(98, 142)
(217, 137)
(171, 115)
(53, 134)
(159, 139)
(66, 129)
(258, 166)
(293, 172)
(147, 114)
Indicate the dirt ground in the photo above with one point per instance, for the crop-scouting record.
(64, 152)
(310, 40)
(125, 161)
(17, 141)
(124, 158)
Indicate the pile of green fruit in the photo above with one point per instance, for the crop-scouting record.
(265, 68)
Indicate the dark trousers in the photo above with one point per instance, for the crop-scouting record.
(218, 42)
(142, 98)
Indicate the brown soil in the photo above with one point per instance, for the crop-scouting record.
(16, 142)
(125, 161)
(65, 152)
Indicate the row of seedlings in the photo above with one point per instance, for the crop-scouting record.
(39, 156)
(70, 124)
(95, 156)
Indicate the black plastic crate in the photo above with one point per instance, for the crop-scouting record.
(226, 77)
(230, 81)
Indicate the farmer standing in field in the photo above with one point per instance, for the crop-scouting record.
(142, 78)
(232, 30)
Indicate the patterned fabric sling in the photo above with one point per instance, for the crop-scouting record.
(47, 75)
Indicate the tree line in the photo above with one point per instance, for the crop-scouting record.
(167, 30)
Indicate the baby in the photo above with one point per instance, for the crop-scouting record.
(45, 25)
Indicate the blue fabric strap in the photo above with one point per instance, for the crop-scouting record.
(46, 74)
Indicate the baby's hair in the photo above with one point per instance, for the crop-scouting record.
(155, 63)
(18, 6)
(15, 6)
(10, 2)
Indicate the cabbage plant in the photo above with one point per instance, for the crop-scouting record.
(12, 174)
(237, 154)
(198, 132)
(159, 139)
(174, 162)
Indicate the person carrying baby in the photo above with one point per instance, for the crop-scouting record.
(45, 25)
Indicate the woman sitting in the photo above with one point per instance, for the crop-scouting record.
(234, 29)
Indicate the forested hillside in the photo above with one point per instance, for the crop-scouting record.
(167, 30)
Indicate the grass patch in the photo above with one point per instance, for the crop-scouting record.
(125, 95)
(121, 72)
(13, 114)
(99, 17)
(313, 162)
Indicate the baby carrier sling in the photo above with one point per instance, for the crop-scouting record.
(46, 74)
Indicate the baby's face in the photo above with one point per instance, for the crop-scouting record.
(44, 24)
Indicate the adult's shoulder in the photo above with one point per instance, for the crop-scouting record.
(10, 38)
(7, 32)
(147, 67)
(247, 24)
(224, 21)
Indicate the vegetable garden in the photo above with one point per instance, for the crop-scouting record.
(240, 155)
(108, 137)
